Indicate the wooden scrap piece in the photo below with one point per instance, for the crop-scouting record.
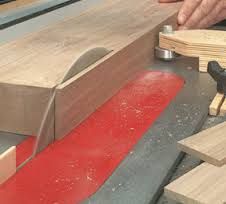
(7, 164)
(215, 106)
(223, 109)
(206, 184)
(208, 145)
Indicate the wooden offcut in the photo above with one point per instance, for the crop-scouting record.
(223, 109)
(7, 164)
(208, 145)
(32, 67)
(216, 104)
(203, 185)
(207, 45)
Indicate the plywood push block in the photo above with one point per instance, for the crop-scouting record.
(207, 45)
(38, 66)
(206, 183)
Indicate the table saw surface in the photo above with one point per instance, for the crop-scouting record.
(142, 173)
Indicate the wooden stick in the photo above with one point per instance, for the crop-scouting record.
(223, 109)
(7, 164)
(216, 104)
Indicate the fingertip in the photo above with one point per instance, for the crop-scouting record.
(182, 18)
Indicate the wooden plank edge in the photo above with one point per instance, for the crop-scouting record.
(171, 192)
(178, 197)
(177, 189)
(200, 155)
(7, 164)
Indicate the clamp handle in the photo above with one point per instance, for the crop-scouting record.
(219, 75)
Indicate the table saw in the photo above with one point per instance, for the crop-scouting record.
(123, 150)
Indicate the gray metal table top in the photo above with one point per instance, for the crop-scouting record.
(141, 175)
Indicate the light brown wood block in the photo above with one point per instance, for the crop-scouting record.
(223, 109)
(31, 67)
(7, 164)
(216, 104)
(208, 145)
(206, 45)
(206, 184)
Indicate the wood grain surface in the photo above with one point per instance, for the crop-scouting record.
(203, 185)
(208, 145)
(31, 67)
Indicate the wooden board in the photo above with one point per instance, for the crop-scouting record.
(30, 68)
(205, 184)
(15, 4)
(207, 45)
(208, 145)
(100, 81)
(7, 164)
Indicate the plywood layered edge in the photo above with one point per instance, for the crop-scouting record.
(32, 67)
(206, 45)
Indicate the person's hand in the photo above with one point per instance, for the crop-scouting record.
(200, 13)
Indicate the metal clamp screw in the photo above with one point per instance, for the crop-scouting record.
(167, 29)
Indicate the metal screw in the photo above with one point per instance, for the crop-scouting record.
(167, 29)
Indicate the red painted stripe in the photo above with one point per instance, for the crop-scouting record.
(72, 169)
